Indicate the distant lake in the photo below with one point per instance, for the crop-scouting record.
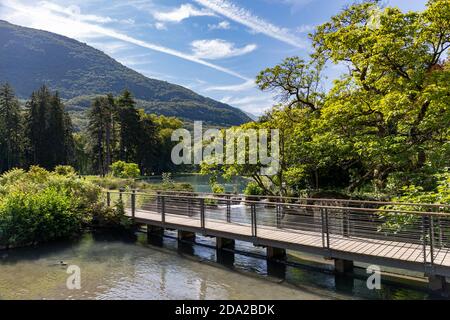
(201, 182)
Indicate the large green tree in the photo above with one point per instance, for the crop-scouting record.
(388, 114)
(48, 131)
(11, 130)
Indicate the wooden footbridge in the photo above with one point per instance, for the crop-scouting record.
(414, 237)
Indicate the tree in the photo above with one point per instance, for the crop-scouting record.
(393, 105)
(147, 151)
(48, 130)
(389, 114)
(128, 117)
(11, 130)
(100, 128)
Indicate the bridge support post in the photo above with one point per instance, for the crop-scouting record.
(186, 235)
(224, 242)
(225, 258)
(154, 231)
(438, 283)
(343, 266)
(275, 253)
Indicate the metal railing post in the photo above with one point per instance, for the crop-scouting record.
(424, 239)
(133, 204)
(431, 240)
(163, 209)
(108, 198)
(189, 207)
(345, 224)
(228, 209)
(322, 220)
(278, 210)
(202, 213)
(254, 222)
(327, 229)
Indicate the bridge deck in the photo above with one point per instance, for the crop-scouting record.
(391, 253)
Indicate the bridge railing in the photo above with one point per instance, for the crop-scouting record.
(415, 232)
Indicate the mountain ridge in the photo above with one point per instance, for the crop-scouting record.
(30, 58)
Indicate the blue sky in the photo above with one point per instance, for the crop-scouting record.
(214, 47)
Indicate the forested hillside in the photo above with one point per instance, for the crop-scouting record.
(30, 58)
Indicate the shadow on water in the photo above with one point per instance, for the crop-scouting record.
(136, 266)
(13, 256)
(306, 274)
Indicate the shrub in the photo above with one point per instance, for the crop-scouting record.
(253, 189)
(65, 170)
(121, 169)
(217, 188)
(38, 205)
(415, 194)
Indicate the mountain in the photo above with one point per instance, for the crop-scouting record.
(30, 58)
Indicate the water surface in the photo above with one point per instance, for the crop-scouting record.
(127, 267)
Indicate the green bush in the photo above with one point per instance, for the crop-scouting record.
(253, 189)
(39, 206)
(65, 170)
(121, 169)
(217, 188)
(415, 194)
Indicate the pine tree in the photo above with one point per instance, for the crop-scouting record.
(148, 145)
(49, 131)
(11, 130)
(129, 127)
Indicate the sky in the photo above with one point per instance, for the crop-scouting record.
(214, 47)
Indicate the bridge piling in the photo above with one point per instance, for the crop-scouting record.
(224, 242)
(154, 231)
(343, 266)
(275, 253)
(186, 235)
(438, 283)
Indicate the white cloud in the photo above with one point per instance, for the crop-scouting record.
(255, 104)
(185, 11)
(306, 28)
(243, 16)
(74, 12)
(218, 49)
(224, 25)
(249, 84)
(160, 26)
(49, 20)
(110, 47)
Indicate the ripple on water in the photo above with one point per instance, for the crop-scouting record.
(114, 268)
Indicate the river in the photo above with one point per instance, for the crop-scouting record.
(131, 267)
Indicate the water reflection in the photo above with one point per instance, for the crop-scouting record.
(137, 267)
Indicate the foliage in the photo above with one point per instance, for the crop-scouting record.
(113, 217)
(11, 130)
(382, 125)
(217, 188)
(416, 194)
(121, 169)
(48, 129)
(38, 205)
(252, 189)
(65, 170)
